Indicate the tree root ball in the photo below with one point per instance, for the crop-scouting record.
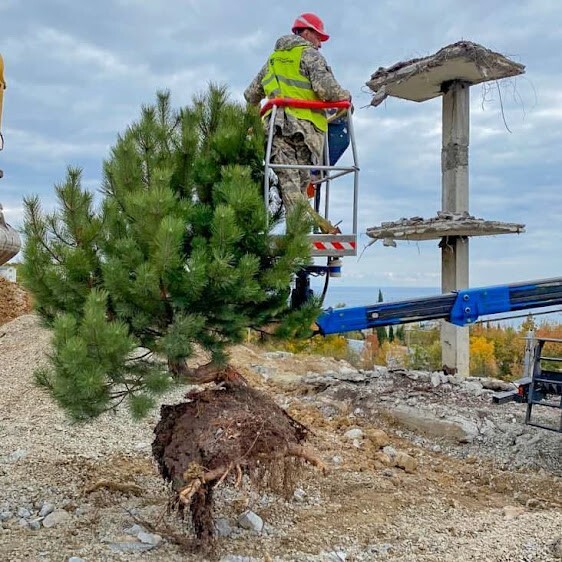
(219, 435)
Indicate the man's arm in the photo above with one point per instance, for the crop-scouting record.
(327, 88)
(254, 93)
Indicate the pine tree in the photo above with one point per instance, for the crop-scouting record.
(178, 253)
(390, 334)
(381, 330)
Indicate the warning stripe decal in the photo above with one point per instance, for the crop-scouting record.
(334, 245)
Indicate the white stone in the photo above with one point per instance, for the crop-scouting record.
(130, 547)
(353, 434)
(299, 494)
(149, 538)
(473, 387)
(222, 527)
(390, 451)
(56, 518)
(46, 508)
(24, 512)
(251, 521)
(134, 530)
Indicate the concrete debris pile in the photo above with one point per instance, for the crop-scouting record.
(443, 413)
(420, 79)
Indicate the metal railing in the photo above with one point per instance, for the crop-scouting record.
(325, 168)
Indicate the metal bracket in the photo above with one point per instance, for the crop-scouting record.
(470, 304)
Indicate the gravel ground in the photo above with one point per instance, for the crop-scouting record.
(396, 490)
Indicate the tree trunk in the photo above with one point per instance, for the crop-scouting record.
(209, 372)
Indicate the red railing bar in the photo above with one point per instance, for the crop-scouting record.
(304, 104)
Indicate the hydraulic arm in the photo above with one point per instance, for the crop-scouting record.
(458, 307)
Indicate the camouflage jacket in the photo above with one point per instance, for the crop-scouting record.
(314, 66)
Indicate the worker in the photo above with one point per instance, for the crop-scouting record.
(297, 70)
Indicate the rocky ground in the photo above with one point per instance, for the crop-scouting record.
(422, 467)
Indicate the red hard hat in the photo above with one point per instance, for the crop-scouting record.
(310, 21)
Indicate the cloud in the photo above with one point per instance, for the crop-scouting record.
(35, 148)
(78, 74)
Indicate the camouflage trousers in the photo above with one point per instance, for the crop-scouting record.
(292, 182)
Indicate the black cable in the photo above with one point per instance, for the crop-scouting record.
(326, 283)
(518, 316)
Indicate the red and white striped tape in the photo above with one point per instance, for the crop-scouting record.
(334, 245)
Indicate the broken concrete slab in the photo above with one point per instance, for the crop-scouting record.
(443, 225)
(455, 428)
(421, 79)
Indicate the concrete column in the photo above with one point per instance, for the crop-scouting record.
(454, 275)
(454, 249)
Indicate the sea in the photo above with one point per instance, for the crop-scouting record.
(340, 293)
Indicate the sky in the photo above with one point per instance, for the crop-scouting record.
(78, 73)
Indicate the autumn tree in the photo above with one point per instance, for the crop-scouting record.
(482, 358)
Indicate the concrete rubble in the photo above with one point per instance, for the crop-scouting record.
(443, 225)
(421, 79)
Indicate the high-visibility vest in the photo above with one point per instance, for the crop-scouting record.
(284, 80)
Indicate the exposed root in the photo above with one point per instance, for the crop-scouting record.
(299, 451)
(226, 473)
(126, 488)
(239, 475)
(163, 530)
(187, 492)
(197, 478)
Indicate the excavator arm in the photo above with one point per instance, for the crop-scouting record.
(2, 88)
(458, 307)
(10, 242)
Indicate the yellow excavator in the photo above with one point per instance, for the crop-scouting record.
(10, 242)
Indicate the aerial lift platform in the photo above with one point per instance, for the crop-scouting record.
(339, 136)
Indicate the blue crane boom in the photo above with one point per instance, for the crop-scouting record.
(458, 307)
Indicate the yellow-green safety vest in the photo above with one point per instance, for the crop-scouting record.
(285, 80)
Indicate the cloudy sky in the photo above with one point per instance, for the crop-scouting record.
(78, 73)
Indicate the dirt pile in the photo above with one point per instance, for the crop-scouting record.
(14, 301)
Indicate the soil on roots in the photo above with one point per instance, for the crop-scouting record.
(217, 437)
